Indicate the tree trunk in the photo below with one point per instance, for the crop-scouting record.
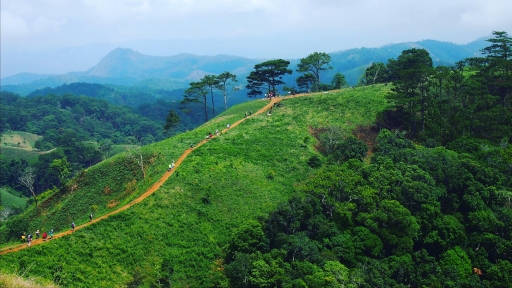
(34, 194)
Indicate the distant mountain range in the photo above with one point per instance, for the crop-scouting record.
(124, 66)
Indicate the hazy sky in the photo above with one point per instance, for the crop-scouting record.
(34, 29)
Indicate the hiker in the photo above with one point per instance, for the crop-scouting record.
(228, 125)
(245, 115)
(37, 234)
(44, 236)
(90, 218)
(29, 239)
(191, 146)
(23, 238)
(72, 226)
(170, 167)
(51, 233)
(250, 112)
(217, 132)
(211, 135)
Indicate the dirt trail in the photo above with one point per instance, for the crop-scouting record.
(153, 188)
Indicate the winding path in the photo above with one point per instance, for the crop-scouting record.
(152, 189)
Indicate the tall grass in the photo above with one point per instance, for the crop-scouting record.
(17, 281)
(181, 229)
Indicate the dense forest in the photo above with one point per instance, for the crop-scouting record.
(414, 215)
(114, 94)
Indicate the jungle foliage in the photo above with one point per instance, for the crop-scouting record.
(413, 216)
(439, 105)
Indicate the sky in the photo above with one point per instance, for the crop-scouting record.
(59, 36)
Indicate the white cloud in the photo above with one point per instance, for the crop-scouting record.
(248, 25)
(12, 26)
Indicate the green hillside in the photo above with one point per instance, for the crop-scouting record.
(183, 229)
(9, 199)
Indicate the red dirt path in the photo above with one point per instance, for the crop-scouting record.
(152, 189)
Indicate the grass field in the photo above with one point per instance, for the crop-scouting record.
(9, 199)
(17, 145)
(22, 140)
(184, 227)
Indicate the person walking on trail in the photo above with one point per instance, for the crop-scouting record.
(23, 238)
(44, 236)
(72, 226)
(51, 233)
(217, 132)
(90, 218)
(37, 234)
(228, 125)
(29, 239)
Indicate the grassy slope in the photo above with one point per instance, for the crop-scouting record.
(12, 153)
(11, 200)
(241, 175)
(26, 140)
(10, 149)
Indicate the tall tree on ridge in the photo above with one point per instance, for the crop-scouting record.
(27, 179)
(313, 64)
(196, 93)
(211, 82)
(375, 73)
(225, 79)
(410, 74)
(499, 66)
(270, 72)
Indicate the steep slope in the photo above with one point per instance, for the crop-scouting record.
(155, 186)
(180, 231)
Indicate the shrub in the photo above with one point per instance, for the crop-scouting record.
(350, 148)
(314, 161)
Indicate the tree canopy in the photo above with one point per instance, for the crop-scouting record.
(314, 64)
(267, 75)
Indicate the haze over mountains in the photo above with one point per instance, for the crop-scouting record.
(123, 66)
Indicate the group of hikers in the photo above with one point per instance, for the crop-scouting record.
(271, 94)
(28, 238)
(45, 235)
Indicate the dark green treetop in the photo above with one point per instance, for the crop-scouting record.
(269, 73)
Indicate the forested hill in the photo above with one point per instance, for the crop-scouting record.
(117, 95)
(128, 67)
(402, 184)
